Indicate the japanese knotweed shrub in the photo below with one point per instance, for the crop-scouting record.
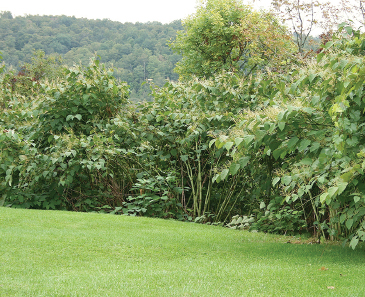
(74, 156)
(312, 132)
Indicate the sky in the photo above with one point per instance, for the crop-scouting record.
(164, 11)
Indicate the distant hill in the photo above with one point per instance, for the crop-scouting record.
(137, 51)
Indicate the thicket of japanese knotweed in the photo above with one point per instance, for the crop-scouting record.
(309, 141)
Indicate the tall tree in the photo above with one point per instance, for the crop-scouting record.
(227, 35)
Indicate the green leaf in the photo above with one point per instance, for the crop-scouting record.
(341, 188)
(243, 161)
(228, 145)
(78, 116)
(312, 76)
(115, 89)
(248, 139)
(304, 144)
(281, 125)
(292, 142)
(173, 152)
(323, 197)
(69, 117)
(286, 180)
(277, 153)
(348, 30)
(234, 168)
(224, 174)
(306, 161)
(275, 181)
(314, 146)
(349, 223)
(319, 57)
(328, 44)
(238, 141)
(354, 242)
(332, 191)
(184, 158)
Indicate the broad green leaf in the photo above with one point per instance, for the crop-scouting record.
(223, 138)
(348, 30)
(248, 139)
(356, 199)
(228, 145)
(314, 146)
(332, 191)
(234, 168)
(275, 181)
(323, 197)
(341, 188)
(304, 144)
(78, 116)
(238, 141)
(286, 180)
(211, 142)
(306, 161)
(292, 142)
(224, 174)
(277, 153)
(328, 44)
(184, 158)
(69, 117)
(243, 161)
(281, 125)
(354, 242)
(315, 100)
(216, 178)
(312, 76)
(349, 223)
(343, 64)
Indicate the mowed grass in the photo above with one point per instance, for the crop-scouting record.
(52, 253)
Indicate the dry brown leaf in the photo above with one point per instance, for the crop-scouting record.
(323, 268)
(330, 287)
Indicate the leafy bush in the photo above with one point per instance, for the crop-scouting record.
(157, 197)
(310, 135)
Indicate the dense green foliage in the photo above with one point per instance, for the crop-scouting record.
(136, 51)
(230, 36)
(309, 141)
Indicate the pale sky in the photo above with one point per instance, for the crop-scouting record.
(164, 11)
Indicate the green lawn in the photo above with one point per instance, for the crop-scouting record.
(52, 253)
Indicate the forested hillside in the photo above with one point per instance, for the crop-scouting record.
(136, 51)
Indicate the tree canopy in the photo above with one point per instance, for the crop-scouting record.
(136, 51)
(227, 35)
